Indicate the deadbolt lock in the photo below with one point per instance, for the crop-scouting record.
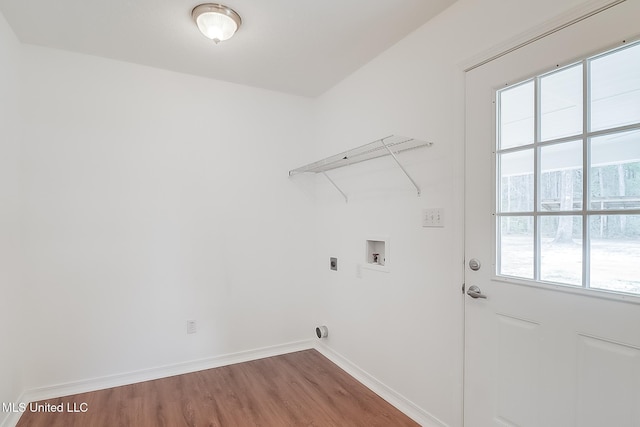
(474, 264)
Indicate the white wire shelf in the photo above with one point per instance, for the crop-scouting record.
(389, 146)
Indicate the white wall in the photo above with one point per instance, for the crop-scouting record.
(405, 327)
(10, 222)
(152, 198)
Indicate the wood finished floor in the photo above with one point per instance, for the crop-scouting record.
(296, 389)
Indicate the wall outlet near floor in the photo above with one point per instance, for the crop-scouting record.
(191, 327)
(433, 217)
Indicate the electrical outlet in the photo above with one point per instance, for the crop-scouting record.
(333, 264)
(191, 327)
(433, 217)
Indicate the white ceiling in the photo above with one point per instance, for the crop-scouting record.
(301, 47)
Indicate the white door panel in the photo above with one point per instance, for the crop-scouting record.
(546, 356)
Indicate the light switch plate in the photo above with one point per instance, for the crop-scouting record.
(433, 217)
(191, 327)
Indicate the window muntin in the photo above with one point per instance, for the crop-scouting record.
(568, 175)
(615, 171)
(615, 88)
(619, 255)
(560, 249)
(561, 177)
(516, 181)
(516, 246)
(561, 103)
(516, 124)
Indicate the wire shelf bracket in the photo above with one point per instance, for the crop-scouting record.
(388, 146)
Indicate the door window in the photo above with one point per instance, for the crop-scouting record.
(568, 175)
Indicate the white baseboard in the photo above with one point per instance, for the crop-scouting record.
(396, 399)
(85, 386)
(403, 404)
(11, 419)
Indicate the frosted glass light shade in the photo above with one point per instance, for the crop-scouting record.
(216, 22)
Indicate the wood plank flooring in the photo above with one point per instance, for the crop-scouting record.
(296, 389)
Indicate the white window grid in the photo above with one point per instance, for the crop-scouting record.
(586, 135)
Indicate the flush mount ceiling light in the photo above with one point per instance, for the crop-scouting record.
(217, 22)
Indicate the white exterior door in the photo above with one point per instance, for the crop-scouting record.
(538, 353)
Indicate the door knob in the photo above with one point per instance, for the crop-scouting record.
(475, 292)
